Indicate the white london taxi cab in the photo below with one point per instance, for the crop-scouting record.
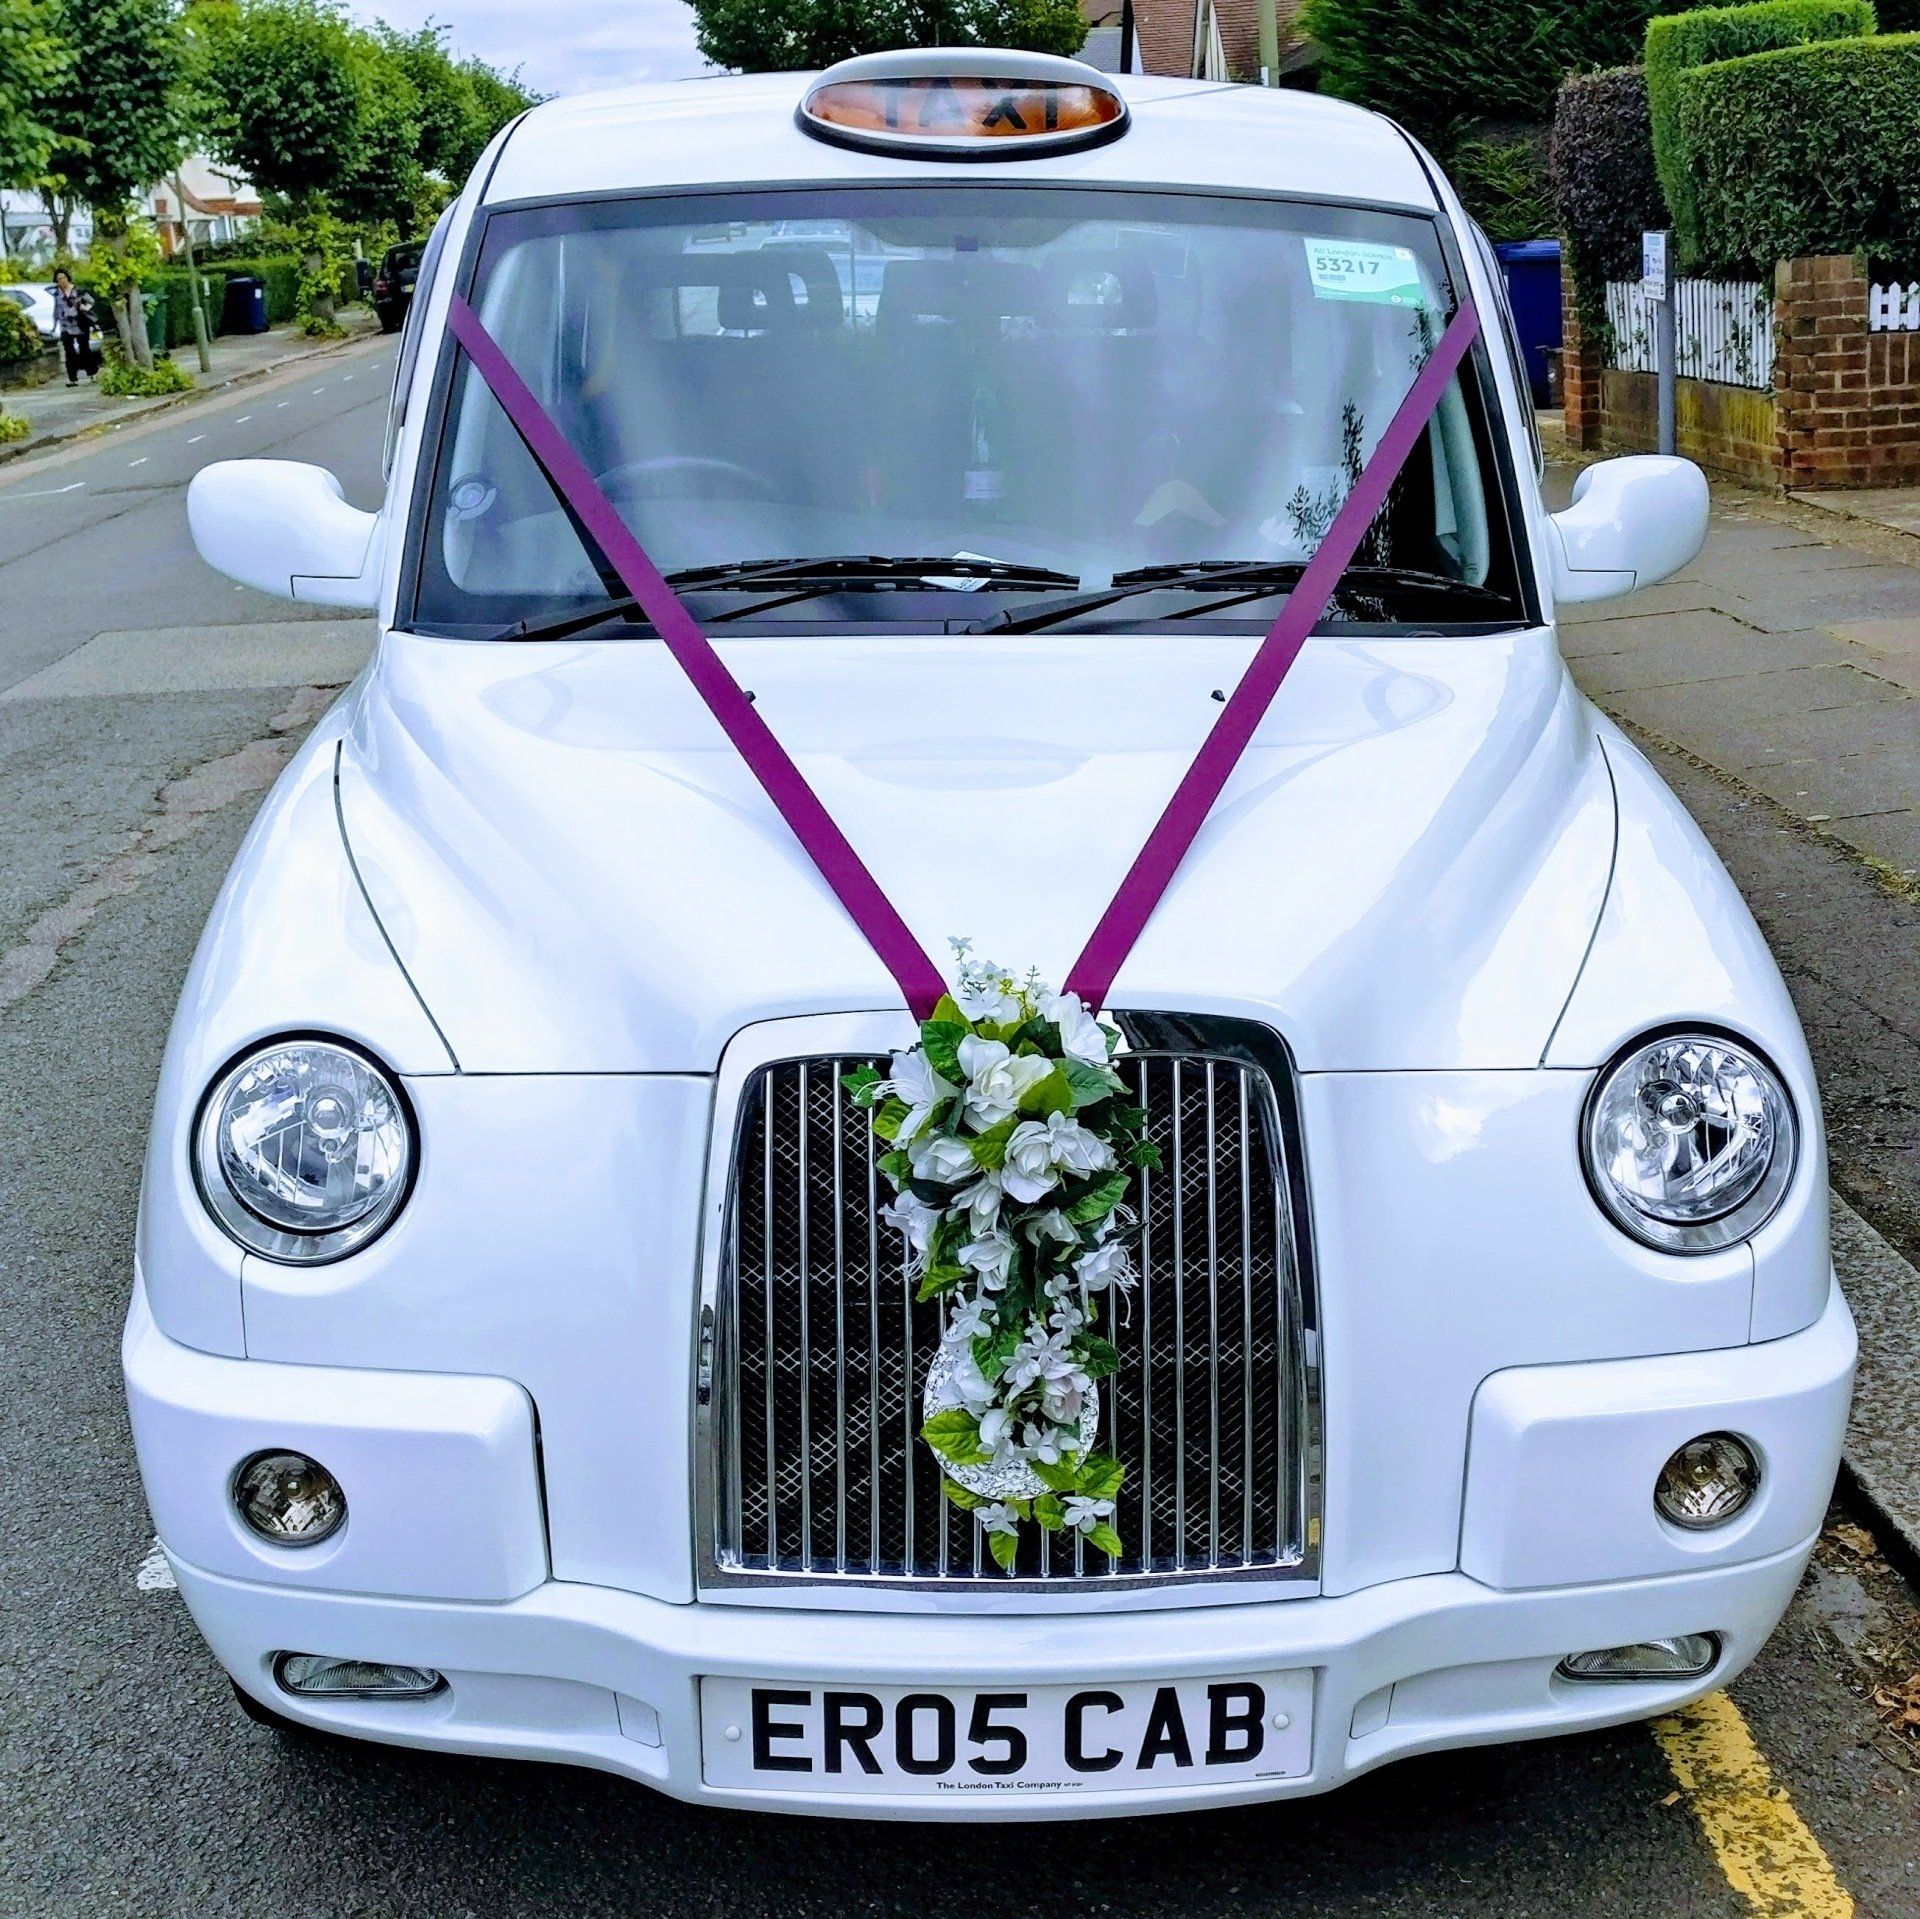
(613, 1286)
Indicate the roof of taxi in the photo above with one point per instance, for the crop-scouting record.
(739, 130)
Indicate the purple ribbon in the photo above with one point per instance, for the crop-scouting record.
(919, 980)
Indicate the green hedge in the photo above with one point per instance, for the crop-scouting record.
(1679, 42)
(173, 288)
(1810, 150)
(1601, 160)
(281, 272)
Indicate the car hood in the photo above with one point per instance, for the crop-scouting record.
(580, 875)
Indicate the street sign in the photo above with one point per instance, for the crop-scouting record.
(1653, 265)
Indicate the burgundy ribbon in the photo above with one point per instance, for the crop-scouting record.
(919, 980)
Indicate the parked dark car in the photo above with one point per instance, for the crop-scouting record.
(393, 285)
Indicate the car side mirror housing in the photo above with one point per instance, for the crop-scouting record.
(1633, 521)
(286, 528)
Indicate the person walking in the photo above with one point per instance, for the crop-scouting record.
(73, 317)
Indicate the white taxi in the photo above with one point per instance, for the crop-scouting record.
(612, 1287)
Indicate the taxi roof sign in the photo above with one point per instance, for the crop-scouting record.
(963, 103)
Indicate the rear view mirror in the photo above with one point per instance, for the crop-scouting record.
(1633, 521)
(287, 529)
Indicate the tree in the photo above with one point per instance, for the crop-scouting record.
(383, 180)
(33, 62)
(766, 36)
(283, 84)
(497, 98)
(117, 123)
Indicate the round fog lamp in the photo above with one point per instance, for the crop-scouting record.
(1709, 1481)
(289, 1499)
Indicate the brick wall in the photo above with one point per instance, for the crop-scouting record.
(1165, 31)
(1581, 366)
(1847, 402)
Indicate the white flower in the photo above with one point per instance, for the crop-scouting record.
(915, 1081)
(1082, 1037)
(996, 1080)
(1066, 1318)
(1052, 1224)
(1109, 1264)
(989, 1257)
(998, 1518)
(941, 1158)
(1041, 1359)
(1027, 1172)
(914, 1218)
(974, 1317)
(982, 1201)
(1064, 1399)
(976, 1390)
(1084, 1514)
(996, 1428)
(1073, 1147)
(992, 996)
(1047, 1444)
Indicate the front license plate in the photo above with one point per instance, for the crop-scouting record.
(770, 1735)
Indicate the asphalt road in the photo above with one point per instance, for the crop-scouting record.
(129, 765)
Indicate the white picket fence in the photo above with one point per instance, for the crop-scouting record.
(1723, 330)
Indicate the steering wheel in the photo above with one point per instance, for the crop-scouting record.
(668, 474)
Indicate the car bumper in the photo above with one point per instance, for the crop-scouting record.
(440, 1565)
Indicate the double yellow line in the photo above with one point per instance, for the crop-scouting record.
(1763, 1845)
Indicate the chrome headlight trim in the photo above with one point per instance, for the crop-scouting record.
(1747, 1215)
(247, 1227)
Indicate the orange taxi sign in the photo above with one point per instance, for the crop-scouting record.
(971, 103)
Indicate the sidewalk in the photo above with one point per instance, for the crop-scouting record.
(1786, 662)
(58, 412)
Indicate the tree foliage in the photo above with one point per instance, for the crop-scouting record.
(33, 63)
(1601, 161)
(1474, 60)
(770, 36)
(117, 111)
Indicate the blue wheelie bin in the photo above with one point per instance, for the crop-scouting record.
(1532, 268)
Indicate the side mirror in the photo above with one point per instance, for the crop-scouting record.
(285, 528)
(1633, 521)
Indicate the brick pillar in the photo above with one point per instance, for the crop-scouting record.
(1832, 426)
(1580, 366)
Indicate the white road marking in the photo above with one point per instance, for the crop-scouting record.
(155, 1575)
(45, 492)
(280, 403)
(197, 438)
(141, 461)
(243, 419)
(346, 376)
(318, 389)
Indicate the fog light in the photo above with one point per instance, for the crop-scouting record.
(289, 1499)
(1709, 1481)
(1688, 1655)
(314, 1675)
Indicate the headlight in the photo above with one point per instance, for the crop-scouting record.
(1690, 1142)
(304, 1151)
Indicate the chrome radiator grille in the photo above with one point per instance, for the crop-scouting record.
(816, 1471)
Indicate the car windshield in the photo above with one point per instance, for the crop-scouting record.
(1058, 389)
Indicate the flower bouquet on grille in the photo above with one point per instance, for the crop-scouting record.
(1011, 1148)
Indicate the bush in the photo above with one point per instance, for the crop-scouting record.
(281, 272)
(1504, 185)
(18, 338)
(124, 380)
(1601, 162)
(1810, 150)
(12, 427)
(1677, 43)
(173, 287)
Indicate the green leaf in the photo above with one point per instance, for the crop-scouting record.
(1037, 1035)
(1104, 1539)
(939, 1279)
(992, 1351)
(860, 1083)
(890, 1118)
(1091, 1084)
(897, 1167)
(1054, 1094)
(1005, 1548)
(1146, 1153)
(958, 1495)
(1098, 1201)
(1049, 1512)
(1100, 1476)
(940, 1041)
(946, 1012)
(1061, 1478)
(955, 1436)
(990, 1147)
(1099, 1356)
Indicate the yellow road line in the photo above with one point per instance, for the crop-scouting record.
(1761, 1842)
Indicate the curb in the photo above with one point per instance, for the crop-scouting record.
(1881, 1468)
(166, 403)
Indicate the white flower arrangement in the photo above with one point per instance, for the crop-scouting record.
(1012, 1144)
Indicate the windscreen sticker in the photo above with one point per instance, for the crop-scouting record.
(1366, 270)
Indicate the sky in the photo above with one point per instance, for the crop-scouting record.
(560, 46)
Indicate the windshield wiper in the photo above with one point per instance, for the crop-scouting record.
(800, 578)
(1257, 579)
